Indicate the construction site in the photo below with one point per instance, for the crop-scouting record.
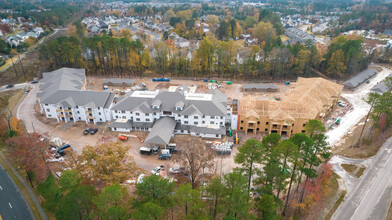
(311, 98)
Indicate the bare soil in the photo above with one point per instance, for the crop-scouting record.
(233, 91)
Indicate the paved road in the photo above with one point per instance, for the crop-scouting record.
(372, 195)
(12, 204)
(16, 86)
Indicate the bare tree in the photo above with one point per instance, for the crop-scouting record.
(195, 156)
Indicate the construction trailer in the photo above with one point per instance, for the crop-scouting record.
(312, 98)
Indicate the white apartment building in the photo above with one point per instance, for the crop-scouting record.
(63, 97)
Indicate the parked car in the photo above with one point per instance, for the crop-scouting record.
(9, 86)
(164, 157)
(87, 131)
(156, 170)
(155, 149)
(34, 82)
(95, 130)
(26, 91)
(175, 170)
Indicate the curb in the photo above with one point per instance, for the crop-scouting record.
(27, 189)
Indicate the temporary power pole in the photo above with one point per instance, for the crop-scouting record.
(363, 128)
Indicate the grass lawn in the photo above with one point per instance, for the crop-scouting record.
(349, 168)
(8, 62)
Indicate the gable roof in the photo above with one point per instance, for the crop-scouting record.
(216, 106)
(360, 78)
(64, 87)
(162, 131)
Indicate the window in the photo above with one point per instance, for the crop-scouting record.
(100, 119)
(48, 110)
(123, 117)
(147, 119)
(186, 122)
(115, 111)
(292, 125)
(303, 125)
(49, 115)
(116, 116)
(204, 116)
(147, 114)
(242, 121)
(266, 123)
(203, 122)
(221, 117)
(123, 111)
(211, 122)
(178, 108)
(196, 117)
(78, 112)
(221, 123)
(257, 129)
(185, 116)
(217, 135)
(138, 119)
(155, 113)
(258, 122)
(114, 129)
(137, 113)
(284, 126)
(266, 130)
(46, 104)
(99, 113)
(212, 117)
(195, 123)
(80, 118)
(98, 108)
(241, 128)
(303, 131)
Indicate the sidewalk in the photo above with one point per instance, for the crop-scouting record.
(26, 186)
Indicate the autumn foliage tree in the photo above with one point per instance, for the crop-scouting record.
(107, 163)
(31, 152)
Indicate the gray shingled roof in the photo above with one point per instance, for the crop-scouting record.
(206, 130)
(215, 107)
(63, 87)
(162, 131)
(120, 82)
(79, 98)
(381, 87)
(61, 79)
(260, 86)
(130, 124)
(360, 78)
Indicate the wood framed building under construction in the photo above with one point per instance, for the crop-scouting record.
(311, 98)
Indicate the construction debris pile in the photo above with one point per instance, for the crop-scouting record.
(223, 148)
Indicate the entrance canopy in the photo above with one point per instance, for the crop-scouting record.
(162, 131)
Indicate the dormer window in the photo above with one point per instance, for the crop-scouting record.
(179, 105)
(156, 104)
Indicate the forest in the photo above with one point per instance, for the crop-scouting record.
(116, 53)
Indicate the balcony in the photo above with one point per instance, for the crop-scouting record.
(89, 111)
(68, 110)
(59, 110)
(90, 117)
(60, 115)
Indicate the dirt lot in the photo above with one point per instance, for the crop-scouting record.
(233, 91)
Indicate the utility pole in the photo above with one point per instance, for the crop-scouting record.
(363, 128)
